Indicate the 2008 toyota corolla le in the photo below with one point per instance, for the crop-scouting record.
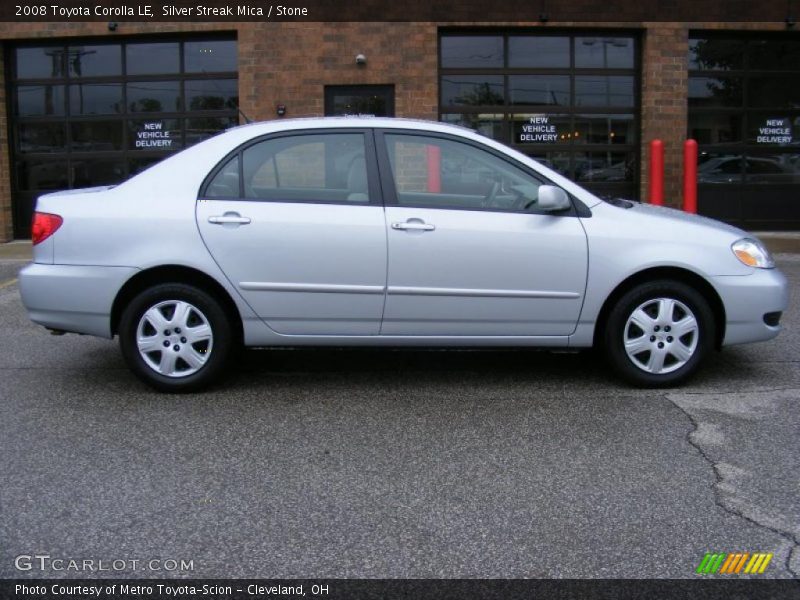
(385, 232)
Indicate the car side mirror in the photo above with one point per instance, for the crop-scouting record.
(552, 199)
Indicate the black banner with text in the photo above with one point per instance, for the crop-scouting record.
(442, 11)
(396, 589)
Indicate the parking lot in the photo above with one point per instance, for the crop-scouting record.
(367, 463)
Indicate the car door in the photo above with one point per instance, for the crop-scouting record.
(296, 223)
(470, 253)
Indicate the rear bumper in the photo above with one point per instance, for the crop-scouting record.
(71, 297)
(747, 300)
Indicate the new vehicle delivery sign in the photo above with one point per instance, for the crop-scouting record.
(152, 134)
(537, 130)
(775, 131)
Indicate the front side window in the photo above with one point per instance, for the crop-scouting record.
(440, 173)
(328, 167)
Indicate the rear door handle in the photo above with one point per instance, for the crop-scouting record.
(414, 225)
(229, 218)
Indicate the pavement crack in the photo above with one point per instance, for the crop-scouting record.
(718, 479)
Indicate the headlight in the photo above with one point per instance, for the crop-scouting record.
(752, 253)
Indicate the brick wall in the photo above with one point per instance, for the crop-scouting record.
(6, 221)
(292, 63)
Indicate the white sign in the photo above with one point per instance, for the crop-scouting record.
(153, 135)
(775, 131)
(537, 130)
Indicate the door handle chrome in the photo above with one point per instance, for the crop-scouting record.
(229, 219)
(414, 226)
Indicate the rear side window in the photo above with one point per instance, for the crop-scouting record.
(325, 167)
(226, 182)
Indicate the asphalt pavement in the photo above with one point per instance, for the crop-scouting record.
(383, 463)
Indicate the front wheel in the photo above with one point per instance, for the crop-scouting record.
(658, 333)
(175, 337)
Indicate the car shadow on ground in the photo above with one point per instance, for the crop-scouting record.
(584, 370)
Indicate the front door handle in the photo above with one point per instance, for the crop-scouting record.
(414, 225)
(229, 219)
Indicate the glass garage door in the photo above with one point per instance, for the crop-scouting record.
(94, 113)
(570, 100)
(744, 112)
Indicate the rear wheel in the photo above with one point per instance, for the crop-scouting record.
(658, 333)
(176, 337)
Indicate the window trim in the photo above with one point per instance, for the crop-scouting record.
(373, 178)
(390, 192)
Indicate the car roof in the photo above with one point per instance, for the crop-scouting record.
(360, 121)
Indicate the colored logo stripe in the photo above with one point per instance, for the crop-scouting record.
(758, 563)
(732, 563)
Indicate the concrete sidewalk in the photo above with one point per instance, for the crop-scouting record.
(18, 250)
(778, 242)
(781, 242)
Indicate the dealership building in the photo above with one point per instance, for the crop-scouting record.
(93, 103)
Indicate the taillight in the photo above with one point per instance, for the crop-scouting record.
(44, 225)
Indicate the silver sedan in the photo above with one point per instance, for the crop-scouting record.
(386, 232)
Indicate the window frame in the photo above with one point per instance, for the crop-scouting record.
(373, 178)
(578, 209)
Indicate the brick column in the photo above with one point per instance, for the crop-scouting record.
(6, 224)
(665, 91)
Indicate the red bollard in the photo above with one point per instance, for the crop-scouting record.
(657, 172)
(690, 176)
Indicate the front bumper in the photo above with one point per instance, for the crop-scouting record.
(747, 299)
(74, 298)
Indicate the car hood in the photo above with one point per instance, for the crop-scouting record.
(679, 217)
(656, 236)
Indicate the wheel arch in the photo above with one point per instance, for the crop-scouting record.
(698, 282)
(175, 274)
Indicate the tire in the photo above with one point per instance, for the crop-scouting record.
(658, 333)
(176, 337)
